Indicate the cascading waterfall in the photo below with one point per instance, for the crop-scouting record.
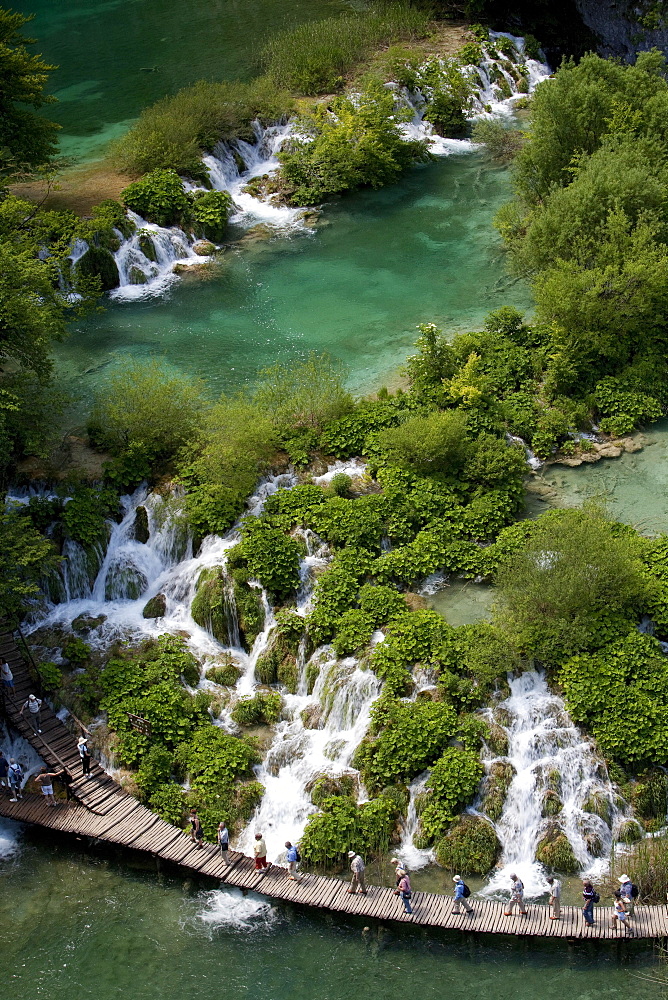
(412, 856)
(542, 742)
(146, 260)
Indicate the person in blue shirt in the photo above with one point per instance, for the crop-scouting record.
(460, 898)
(293, 862)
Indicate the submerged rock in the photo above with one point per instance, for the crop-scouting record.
(204, 248)
(156, 607)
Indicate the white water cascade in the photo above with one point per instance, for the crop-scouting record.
(146, 260)
(543, 742)
(414, 857)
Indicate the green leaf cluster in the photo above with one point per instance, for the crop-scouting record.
(452, 784)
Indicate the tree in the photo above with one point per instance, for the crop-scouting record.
(27, 140)
(574, 570)
(26, 556)
(303, 396)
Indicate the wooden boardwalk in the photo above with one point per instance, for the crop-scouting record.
(104, 811)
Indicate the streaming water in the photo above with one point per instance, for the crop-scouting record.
(548, 753)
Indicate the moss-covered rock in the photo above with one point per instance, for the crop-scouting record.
(598, 804)
(86, 623)
(125, 583)
(470, 846)
(648, 795)
(210, 607)
(312, 717)
(141, 528)
(594, 845)
(497, 739)
(552, 804)
(555, 852)
(496, 788)
(323, 786)
(278, 663)
(312, 673)
(225, 671)
(147, 246)
(137, 276)
(629, 832)
(250, 613)
(99, 263)
(155, 607)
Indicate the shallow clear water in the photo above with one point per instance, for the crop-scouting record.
(635, 487)
(463, 602)
(117, 56)
(381, 262)
(86, 926)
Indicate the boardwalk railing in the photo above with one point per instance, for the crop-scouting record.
(104, 811)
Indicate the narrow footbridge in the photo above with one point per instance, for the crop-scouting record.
(102, 810)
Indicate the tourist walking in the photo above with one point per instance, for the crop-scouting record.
(7, 678)
(196, 831)
(629, 893)
(84, 753)
(15, 776)
(224, 841)
(404, 890)
(293, 862)
(45, 781)
(461, 892)
(4, 769)
(555, 897)
(619, 912)
(516, 897)
(590, 897)
(260, 852)
(34, 706)
(357, 868)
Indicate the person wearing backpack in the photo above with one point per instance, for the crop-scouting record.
(294, 858)
(15, 777)
(590, 897)
(404, 890)
(462, 891)
(629, 893)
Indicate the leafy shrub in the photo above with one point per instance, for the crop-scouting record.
(158, 197)
(169, 802)
(340, 484)
(452, 784)
(501, 141)
(342, 824)
(470, 846)
(85, 514)
(349, 435)
(346, 145)
(314, 58)
(381, 603)
(262, 707)
(50, 674)
(302, 396)
(155, 769)
(621, 410)
(210, 212)
(76, 651)
(435, 444)
(410, 736)
(271, 556)
(173, 133)
(353, 633)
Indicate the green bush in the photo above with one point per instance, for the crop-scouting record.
(158, 197)
(452, 784)
(262, 707)
(155, 769)
(173, 133)
(354, 631)
(346, 145)
(76, 651)
(271, 556)
(50, 674)
(210, 212)
(314, 58)
(343, 825)
(431, 445)
(86, 513)
(169, 802)
(407, 737)
(470, 847)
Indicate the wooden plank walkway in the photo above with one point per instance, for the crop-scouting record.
(104, 811)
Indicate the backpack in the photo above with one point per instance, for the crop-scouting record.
(15, 769)
(596, 898)
(634, 891)
(297, 854)
(467, 892)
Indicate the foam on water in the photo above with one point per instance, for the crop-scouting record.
(231, 910)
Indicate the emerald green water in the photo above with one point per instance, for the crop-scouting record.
(117, 56)
(380, 263)
(81, 926)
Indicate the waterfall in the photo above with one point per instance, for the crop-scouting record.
(146, 259)
(544, 745)
(414, 857)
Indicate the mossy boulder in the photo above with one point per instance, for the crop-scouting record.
(278, 663)
(125, 583)
(552, 804)
(648, 795)
(470, 846)
(324, 786)
(629, 832)
(141, 528)
(496, 788)
(147, 246)
(86, 623)
(97, 262)
(555, 852)
(250, 613)
(137, 276)
(594, 845)
(312, 717)
(598, 804)
(224, 672)
(312, 674)
(210, 607)
(497, 739)
(155, 607)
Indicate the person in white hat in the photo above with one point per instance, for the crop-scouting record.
(460, 898)
(34, 705)
(84, 753)
(626, 889)
(357, 868)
